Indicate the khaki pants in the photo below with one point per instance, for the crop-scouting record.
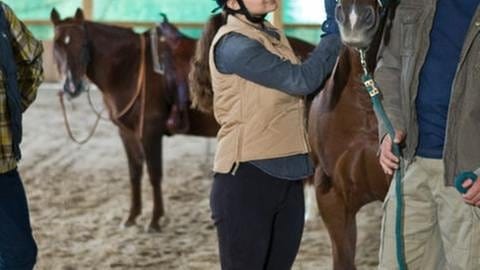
(440, 230)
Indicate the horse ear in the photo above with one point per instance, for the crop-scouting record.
(54, 16)
(164, 16)
(79, 14)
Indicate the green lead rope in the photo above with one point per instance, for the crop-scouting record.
(374, 93)
(461, 178)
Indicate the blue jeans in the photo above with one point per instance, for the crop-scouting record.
(18, 250)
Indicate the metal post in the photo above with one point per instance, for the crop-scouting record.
(88, 9)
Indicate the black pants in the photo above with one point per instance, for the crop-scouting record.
(17, 247)
(259, 219)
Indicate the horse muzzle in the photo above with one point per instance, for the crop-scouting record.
(73, 89)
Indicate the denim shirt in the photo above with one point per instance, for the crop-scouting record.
(238, 54)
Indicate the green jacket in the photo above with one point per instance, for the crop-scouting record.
(397, 75)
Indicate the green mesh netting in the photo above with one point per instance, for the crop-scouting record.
(295, 11)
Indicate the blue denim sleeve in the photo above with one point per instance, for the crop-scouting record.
(247, 58)
(330, 26)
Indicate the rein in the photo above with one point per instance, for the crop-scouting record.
(139, 93)
(92, 107)
(67, 123)
(372, 89)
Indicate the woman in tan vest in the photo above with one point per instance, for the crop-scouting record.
(259, 87)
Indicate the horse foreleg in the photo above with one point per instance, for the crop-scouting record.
(341, 226)
(153, 155)
(135, 165)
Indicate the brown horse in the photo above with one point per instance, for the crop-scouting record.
(343, 130)
(119, 62)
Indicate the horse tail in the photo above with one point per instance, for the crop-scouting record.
(200, 82)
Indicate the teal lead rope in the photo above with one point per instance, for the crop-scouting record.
(374, 93)
(461, 178)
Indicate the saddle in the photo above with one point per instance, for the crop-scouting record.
(165, 39)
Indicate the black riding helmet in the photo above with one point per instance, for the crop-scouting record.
(243, 10)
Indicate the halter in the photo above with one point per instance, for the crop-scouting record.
(86, 57)
(85, 54)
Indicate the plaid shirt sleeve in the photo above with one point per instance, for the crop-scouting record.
(28, 57)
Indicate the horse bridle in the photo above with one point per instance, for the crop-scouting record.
(139, 92)
(85, 54)
(86, 57)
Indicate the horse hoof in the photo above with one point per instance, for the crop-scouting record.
(129, 223)
(154, 228)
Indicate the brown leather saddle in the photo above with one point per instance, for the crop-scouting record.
(165, 42)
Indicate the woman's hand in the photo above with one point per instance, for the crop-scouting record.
(330, 25)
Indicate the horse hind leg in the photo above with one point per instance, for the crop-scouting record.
(311, 209)
(135, 165)
(316, 182)
(153, 155)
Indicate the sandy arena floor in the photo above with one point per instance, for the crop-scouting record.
(79, 196)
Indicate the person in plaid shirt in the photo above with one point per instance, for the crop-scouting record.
(20, 74)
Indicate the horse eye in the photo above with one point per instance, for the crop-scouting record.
(66, 40)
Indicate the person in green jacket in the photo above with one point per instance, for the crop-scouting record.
(429, 74)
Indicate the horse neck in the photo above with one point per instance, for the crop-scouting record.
(111, 55)
(350, 70)
(349, 90)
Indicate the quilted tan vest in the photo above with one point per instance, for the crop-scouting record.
(256, 122)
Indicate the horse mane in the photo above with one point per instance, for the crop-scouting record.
(200, 82)
(112, 29)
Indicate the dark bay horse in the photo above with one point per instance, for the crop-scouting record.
(343, 130)
(119, 62)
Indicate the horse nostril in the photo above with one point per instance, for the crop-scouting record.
(339, 15)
